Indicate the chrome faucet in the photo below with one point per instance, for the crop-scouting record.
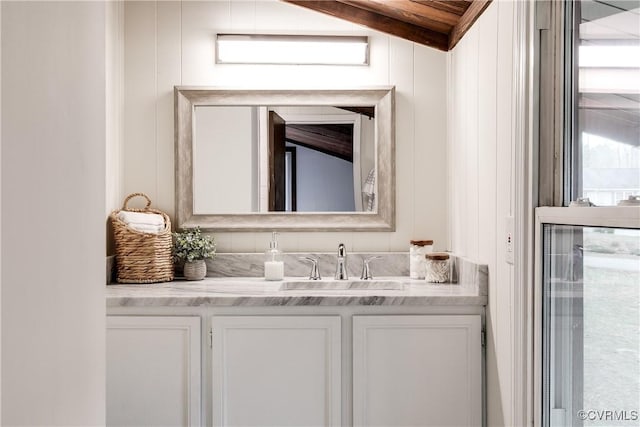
(366, 271)
(315, 274)
(341, 265)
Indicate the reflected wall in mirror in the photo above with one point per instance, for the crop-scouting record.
(321, 159)
(285, 159)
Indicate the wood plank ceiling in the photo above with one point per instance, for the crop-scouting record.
(436, 23)
(332, 139)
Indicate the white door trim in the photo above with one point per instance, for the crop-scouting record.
(524, 133)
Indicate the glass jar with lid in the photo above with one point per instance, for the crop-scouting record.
(437, 268)
(417, 251)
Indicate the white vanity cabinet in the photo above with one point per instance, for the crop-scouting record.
(265, 366)
(276, 370)
(153, 370)
(421, 370)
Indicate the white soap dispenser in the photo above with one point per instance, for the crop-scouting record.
(273, 265)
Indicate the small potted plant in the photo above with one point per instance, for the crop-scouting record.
(192, 247)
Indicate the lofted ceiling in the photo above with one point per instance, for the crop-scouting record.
(332, 139)
(436, 23)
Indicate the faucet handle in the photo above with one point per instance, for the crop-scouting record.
(366, 271)
(342, 250)
(315, 274)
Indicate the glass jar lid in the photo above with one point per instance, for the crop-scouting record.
(421, 242)
(437, 256)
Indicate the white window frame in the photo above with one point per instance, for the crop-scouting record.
(613, 216)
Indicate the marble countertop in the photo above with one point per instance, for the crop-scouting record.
(253, 291)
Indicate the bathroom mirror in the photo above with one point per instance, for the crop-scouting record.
(285, 159)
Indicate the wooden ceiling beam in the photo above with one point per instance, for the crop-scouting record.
(378, 22)
(455, 7)
(466, 21)
(322, 138)
(341, 133)
(403, 10)
(370, 112)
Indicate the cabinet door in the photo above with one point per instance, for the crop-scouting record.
(276, 371)
(153, 371)
(417, 371)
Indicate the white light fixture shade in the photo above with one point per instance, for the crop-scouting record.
(290, 49)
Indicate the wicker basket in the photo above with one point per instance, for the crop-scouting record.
(142, 257)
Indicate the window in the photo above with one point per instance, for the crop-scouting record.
(587, 289)
(591, 319)
(603, 95)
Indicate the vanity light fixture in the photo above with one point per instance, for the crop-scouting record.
(291, 49)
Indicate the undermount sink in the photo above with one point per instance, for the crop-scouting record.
(346, 285)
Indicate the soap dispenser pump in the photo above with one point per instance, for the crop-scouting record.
(273, 265)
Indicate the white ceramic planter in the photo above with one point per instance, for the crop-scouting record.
(195, 270)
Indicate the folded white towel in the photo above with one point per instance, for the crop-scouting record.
(141, 218)
(146, 228)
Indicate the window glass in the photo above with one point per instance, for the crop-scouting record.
(604, 43)
(591, 324)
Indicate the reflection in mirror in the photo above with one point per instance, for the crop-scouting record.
(283, 158)
(225, 161)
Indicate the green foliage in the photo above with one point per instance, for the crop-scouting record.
(191, 245)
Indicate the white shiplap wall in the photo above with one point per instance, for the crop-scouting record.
(172, 43)
(481, 172)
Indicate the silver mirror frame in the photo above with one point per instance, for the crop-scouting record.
(383, 98)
